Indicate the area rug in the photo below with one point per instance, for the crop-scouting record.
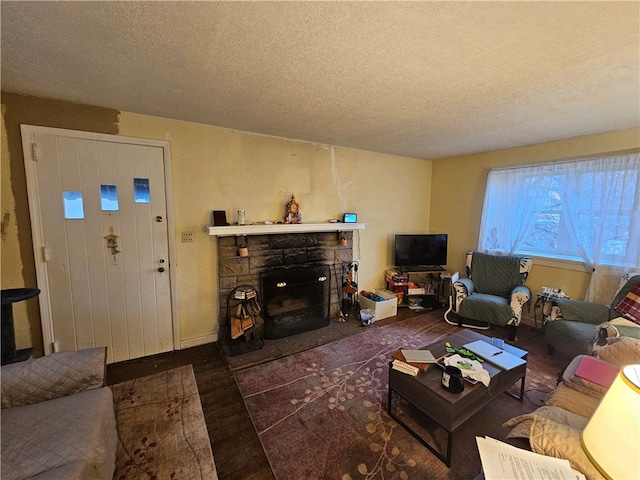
(321, 414)
(162, 433)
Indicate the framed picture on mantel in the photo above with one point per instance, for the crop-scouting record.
(219, 218)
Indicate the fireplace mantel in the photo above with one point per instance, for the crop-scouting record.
(276, 228)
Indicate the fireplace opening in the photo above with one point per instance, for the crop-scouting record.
(296, 300)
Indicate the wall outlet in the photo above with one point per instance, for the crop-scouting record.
(187, 237)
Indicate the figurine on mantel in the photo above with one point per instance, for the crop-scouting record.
(293, 214)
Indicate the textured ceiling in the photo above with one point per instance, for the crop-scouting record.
(421, 79)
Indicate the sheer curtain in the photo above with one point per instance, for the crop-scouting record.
(598, 200)
(512, 202)
(601, 210)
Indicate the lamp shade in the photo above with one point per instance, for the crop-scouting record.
(611, 439)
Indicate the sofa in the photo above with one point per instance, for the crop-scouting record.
(576, 325)
(58, 419)
(555, 428)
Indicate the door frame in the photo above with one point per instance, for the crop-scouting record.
(37, 232)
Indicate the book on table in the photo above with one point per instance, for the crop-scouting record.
(404, 367)
(418, 356)
(597, 371)
(400, 356)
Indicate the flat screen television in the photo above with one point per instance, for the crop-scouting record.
(420, 250)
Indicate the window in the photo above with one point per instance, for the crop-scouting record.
(109, 198)
(73, 205)
(586, 210)
(141, 193)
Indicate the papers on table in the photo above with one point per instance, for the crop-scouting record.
(501, 461)
(418, 356)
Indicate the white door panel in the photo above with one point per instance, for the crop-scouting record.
(97, 295)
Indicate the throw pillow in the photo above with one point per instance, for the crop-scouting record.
(604, 332)
(572, 400)
(629, 306)
(561, 441)
(621, 351)
(52, 376)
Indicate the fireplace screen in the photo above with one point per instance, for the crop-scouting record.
(296, 300)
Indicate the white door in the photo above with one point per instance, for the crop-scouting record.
(98, 207)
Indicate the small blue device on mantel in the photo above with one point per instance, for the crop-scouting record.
(350, 218)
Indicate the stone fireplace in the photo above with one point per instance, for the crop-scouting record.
(300, 261)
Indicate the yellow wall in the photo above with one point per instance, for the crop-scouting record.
(458, 187)
(12, 276)
(220, 169)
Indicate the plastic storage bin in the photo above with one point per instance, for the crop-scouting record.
(385, 309)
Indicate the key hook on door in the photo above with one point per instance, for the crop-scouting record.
(112, 243)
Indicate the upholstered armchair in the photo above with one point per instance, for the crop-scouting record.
(574, 328)
(493, 293)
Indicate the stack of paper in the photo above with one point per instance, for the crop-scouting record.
(501, 461)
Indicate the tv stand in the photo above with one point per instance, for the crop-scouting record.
(421, 269)
(426, 283)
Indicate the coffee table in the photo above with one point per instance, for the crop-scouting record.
(451, 410)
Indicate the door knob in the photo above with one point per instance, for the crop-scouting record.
(161, 269)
